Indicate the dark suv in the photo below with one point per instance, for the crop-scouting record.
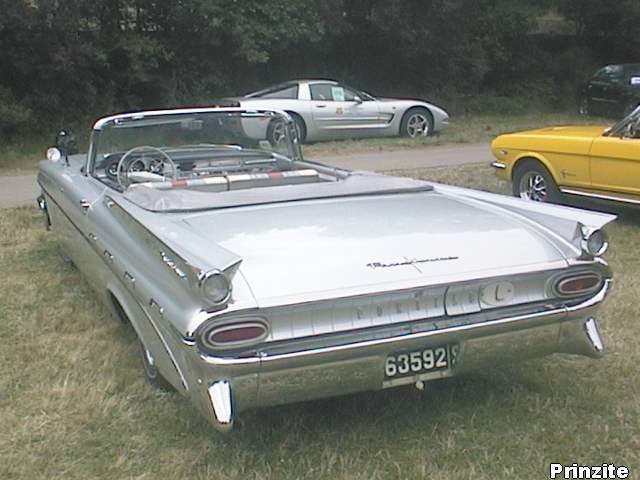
(613, 90)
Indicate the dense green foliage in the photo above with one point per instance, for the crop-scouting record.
(65, 59)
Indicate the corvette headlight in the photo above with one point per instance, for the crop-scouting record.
(215, 286)
(594, 242)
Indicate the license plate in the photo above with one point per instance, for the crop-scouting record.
(406, 364)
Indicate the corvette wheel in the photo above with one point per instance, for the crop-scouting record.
(532, 181)
(276, 132)
(417, 123)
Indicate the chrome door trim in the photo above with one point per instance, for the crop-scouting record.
(602, 196)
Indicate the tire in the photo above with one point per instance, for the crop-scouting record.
(151, 371)
(275, 129)
(532, 181)
(417, 122)
(583, 107)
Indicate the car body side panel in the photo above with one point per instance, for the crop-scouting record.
(301, 108)
(106, 255)
(347, 117)
(365, 265)
(564, 151)
(615, 164)
(328, 120)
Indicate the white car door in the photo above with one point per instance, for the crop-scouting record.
(339, 109)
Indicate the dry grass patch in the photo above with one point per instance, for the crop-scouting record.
(74, 405)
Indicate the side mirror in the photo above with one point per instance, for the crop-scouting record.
(357, 99)
(65, 145)
(66, 142)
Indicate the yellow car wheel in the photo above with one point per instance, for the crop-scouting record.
(532, 181)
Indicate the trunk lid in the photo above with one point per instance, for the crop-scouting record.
(316, 249)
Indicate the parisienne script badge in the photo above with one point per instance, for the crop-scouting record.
(410, 261)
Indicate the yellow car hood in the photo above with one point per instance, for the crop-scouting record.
(575, 140)
(568, 131)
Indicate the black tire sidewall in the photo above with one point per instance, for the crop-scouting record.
(534, 166)
(302, 131)
(151, 372)
(270, 129)
(300, 127)
(407, 115)
(583, 107)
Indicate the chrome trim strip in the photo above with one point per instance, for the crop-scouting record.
(552, 312)
(601, 196)
(102, 122)
(166, 347)
(400, 286)
(499, 165)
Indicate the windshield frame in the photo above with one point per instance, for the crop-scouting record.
(618, 128)
(103, 123)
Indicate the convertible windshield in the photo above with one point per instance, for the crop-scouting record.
(630, 122)
(194, 160)
(161, 147)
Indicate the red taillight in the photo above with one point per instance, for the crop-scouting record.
(578, 284)
(234, 334)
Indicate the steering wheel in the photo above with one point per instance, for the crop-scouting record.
(123, 173)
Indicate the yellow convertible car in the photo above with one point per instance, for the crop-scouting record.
(591, 161)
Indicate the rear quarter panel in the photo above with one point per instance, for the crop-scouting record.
(87, 236)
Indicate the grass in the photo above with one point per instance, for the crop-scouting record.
(74, 404)
(22, 155)
(463, 129)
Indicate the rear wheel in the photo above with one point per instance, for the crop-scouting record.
(532, 181)
(277, 130)
(151, 371)
(417, 122)
(149, 366)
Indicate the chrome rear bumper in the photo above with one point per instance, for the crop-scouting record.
(226, 386)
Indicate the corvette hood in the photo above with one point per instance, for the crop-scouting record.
(336, 247)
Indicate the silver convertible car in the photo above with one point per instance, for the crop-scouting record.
(328, 110)
(253, 277)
